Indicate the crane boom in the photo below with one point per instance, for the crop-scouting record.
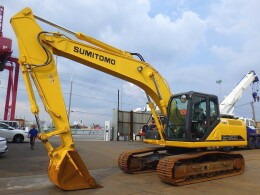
(227, 105)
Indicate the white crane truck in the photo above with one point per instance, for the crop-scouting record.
(228, 104)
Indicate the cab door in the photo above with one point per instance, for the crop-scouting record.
(204, 116)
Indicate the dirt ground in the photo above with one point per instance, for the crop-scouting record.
(24, 171)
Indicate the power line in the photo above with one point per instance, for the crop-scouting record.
(90, 80)
(89, 97)
(242, 104)
(91, 84)
(92, 113)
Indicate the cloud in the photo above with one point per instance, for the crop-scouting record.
(235, 18)
(238, 35)
(159, 38)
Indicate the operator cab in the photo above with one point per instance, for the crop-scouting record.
(191, 116)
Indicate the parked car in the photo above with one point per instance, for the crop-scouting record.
(3, 145)
(13, 135)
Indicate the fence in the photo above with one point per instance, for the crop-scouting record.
(127, 124)
(88, 134)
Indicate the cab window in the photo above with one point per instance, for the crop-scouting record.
(176, 127)
(213, 110)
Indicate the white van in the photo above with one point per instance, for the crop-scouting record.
(14, 124)
(249, 122)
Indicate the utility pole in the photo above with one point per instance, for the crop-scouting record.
(117, 138)
(121, 97)
(71, 82)
(253, 110)
(118, 92)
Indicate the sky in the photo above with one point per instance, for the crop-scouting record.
(191, 43)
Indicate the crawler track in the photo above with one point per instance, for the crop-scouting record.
(184, 168)
(193, 168)
(142, 160)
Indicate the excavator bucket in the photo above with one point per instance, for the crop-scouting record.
(70, 172)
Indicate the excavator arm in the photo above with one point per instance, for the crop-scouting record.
(37, 48)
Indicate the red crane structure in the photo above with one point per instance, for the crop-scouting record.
(9, 63)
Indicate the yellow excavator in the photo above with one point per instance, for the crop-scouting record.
(189, 142)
